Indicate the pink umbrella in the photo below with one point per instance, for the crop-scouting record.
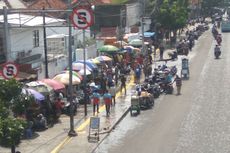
(54, 84)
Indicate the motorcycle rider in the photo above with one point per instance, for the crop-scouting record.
(218, 39)
(214, 31)
(217, 50)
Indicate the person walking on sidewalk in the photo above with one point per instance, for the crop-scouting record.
(161, 51)
(107, 99)
(112, 91)
(96, 99)
(123, 82)
(178, 81)
(138, 74)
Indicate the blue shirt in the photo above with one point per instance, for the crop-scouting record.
(96, 95)
(107, 95)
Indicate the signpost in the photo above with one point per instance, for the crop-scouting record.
(10, 70)
(82, 18)
(94, 128)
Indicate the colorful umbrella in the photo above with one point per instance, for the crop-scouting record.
(108, 49)
(120, 43)
(93, 60)
(77, 74)
(40, 87)
(135, 42)
(129, 48)
(64, 78)
(91, 65)
(137, 49)
(79, 66)
(38, 96)
(82, 72)
(103, 58)
(54, 84)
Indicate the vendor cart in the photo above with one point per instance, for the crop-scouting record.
(146, 100)
(135, 105)
(185, 68)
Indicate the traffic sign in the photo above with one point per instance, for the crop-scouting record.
(82, 17)
(10, 70)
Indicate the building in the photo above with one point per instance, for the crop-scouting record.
(25, 43)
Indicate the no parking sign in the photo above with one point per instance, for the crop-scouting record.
(10, 70)
(82, 17)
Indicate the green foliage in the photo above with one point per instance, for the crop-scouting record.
(119, 1)
(208, 6)
(173, 14)
(4, 112)
(21, 103)
(11, 130)
(9, 90)
(12, 102)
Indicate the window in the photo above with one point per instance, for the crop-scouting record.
(36, 38)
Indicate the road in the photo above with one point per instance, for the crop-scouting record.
(198, 121)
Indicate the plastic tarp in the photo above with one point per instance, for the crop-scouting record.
(149, 34)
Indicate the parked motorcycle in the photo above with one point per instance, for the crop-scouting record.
(173, 70)
(167, 87)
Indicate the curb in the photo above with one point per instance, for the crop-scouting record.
(112, 128)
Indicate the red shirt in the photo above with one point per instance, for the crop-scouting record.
(58, 104)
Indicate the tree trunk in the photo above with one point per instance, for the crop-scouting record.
(13, 148)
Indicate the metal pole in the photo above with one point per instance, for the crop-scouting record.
(142, 31)
(45, 45)
(6, 34)
(85, 102)
(142, 25)
(72, 132)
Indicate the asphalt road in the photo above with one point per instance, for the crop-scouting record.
(198, 121)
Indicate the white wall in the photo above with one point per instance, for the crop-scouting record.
(53, 68)
(133, 14)
(22, 39)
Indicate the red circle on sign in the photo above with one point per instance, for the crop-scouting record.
(10, 70)
(77, 15)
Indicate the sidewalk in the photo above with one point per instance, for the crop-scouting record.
(55, 139)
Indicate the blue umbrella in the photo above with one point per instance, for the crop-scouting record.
(88, 63)
(37, 95)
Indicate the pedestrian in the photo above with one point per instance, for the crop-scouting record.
(112, 91)
(123, 82)
(116, 73)
(107, 99)
(178, 81)
(161, 51)
(137, 74)
(59, 105)
(96, 99)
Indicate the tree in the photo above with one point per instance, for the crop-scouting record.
(12, 103)
(208, 6)
(173, 15)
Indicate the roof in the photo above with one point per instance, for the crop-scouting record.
(54, 4)
(28, 20)
(96, 1)
(2, 4)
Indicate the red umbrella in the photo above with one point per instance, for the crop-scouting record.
(54, 84)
